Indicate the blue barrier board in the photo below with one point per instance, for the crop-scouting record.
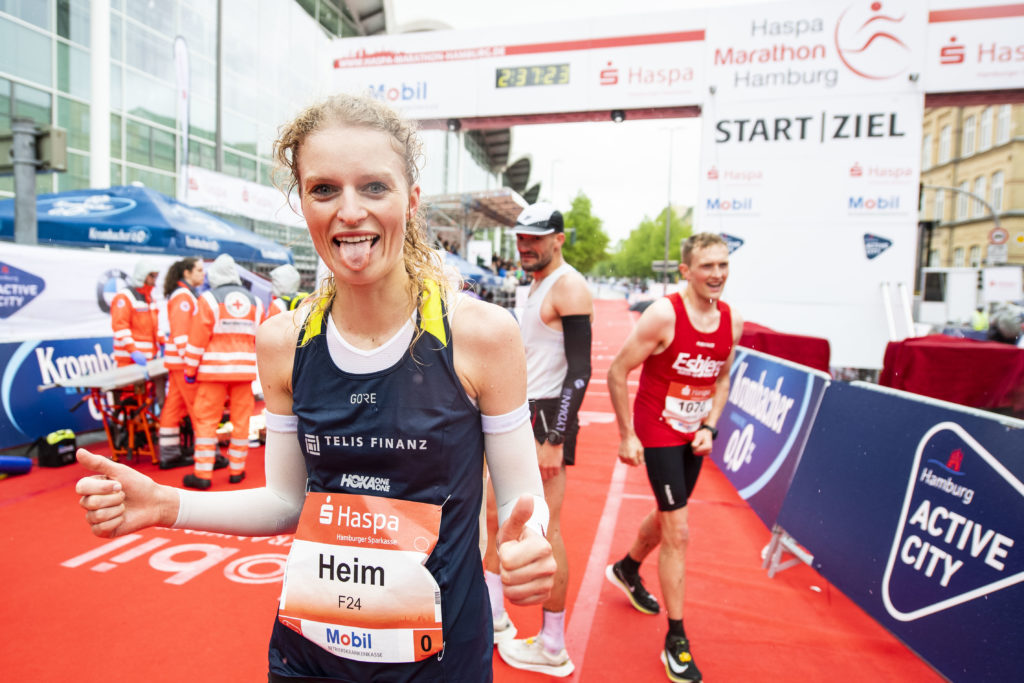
(915, 510)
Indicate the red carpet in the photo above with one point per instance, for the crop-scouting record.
(173, 605)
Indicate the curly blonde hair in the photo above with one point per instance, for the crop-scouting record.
(421, 262)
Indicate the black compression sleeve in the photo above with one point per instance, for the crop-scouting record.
(576, 338)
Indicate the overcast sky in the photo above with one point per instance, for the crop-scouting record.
(622, 167)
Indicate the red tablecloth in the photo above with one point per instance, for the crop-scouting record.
(810, 351)
(980, 374)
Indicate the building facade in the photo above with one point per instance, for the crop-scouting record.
(969, 153)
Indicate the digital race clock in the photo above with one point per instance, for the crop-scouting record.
(522, 76)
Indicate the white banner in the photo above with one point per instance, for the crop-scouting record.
(974, 46)
(53, 293)
(584, 65)
(818, 198)
(220, 192)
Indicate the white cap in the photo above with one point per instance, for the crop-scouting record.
(143, 267)
(539, 219)
(285, 280)
(223, 271)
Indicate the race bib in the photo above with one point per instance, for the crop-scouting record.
(686, 406)
(355, 583)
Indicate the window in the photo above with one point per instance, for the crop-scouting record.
(979, 189)
(975, 256)
(961, 201)
(944, 136)
(1003, 124)
(934, 283)
(31, 103)
(940, 206)
(985, 134)
(73, 75)
(77, 175)
(933, 262)
(74, 118)
(32, 11)
(73, 20)
(150, 146)
(958, 257)
(997, 191)
(25, 53)
(967, 142)
(926, 151)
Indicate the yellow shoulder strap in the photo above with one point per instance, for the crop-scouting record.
(315, 322)
(432, 313)
(431, 316)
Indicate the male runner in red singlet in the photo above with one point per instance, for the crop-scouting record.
(685, 343)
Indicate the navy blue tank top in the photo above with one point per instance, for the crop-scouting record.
(408, 432)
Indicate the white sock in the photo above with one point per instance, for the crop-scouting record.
(552, 632)
(495, 593)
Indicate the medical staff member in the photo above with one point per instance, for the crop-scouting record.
(134, 317)
(285, 282)
(221, 357)
(180, 289)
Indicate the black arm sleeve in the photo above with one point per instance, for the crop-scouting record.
(576, 335)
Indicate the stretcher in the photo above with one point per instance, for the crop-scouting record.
(125, 398)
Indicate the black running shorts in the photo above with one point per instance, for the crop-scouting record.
(672, 471)
(543, 412)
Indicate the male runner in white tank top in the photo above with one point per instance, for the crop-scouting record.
(556, 334)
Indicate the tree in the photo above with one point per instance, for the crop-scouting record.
(646, 243)
(586, 242)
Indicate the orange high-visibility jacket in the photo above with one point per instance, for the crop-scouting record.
(135, 319)
(222, 341)
(181, 307)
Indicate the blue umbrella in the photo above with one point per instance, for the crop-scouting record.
(139, 219)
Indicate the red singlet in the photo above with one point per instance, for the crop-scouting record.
(677, 386)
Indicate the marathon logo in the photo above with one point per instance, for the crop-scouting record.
(17, 289)
(945, 551)
(360, 481)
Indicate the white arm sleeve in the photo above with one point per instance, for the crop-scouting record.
(512, 461)
(272, 509)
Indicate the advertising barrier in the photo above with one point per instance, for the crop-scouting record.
(764, 425)
(914, 508)
(25, 411)
(55, 326)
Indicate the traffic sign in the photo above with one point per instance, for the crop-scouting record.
(998, 236)
(997, 254)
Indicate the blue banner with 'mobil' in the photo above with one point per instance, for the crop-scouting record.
(764, 425)
(914, 508)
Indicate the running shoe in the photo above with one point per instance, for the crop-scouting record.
(633, 587)
(678, 661)
(504, 629)
(531, 655)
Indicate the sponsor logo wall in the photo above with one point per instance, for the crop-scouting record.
(811, 157)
